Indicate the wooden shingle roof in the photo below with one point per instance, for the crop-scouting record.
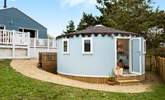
(101, 29)
(98, 29)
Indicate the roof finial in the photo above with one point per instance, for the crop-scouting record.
(5, 4)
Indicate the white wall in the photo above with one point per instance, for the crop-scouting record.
(22, 53)
(7, 53)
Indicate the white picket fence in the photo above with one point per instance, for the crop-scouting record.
(14, 44)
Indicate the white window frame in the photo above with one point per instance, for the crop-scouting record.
(67, 40)
(36, 34)
(91, 44)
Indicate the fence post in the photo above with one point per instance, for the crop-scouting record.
(164, 70)
(13, 44)
(35, 45)
(3, 36)
(48, 44)
(28, 45)
(54, 43)
(150, 62)
(160, 64)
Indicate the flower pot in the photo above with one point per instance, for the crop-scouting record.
(111, 82)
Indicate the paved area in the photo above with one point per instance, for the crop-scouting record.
(29, 68)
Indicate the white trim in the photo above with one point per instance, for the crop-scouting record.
(13, 44)
(67, 40)
(81, 75)
(36, 34)
(120, 37)
(144, 49)
(140, 59)
(130, 55)
(91, 45)
(130, 58)
(140, 56)
(115, 39)
(36, 30)
(144, 46)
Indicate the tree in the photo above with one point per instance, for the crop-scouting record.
(70, 27)
(160, 19)
(86, 20)
(50, 36)
(129, 15)
(135, 16)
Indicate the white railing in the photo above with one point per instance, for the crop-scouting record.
(21, 38)
(19, 45)
(8, 37)
(14, 38)
(45, 43)
(52, 43)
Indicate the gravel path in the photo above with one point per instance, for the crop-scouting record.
(28, 68)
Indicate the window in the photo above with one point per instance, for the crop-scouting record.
(33, 33)
(87, 46)
(20, 30)
(65, 45)
(2, 27)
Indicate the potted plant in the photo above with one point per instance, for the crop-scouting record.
(112, 79)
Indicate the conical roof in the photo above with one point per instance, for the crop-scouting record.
(98, 29)
(101, 29)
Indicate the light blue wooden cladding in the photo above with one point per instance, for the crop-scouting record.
(102, 61)
(99, 64)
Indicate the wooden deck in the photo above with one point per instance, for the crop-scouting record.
(129, 79)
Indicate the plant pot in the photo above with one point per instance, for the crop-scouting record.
(111, 82)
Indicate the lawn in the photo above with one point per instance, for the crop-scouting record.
(14, 86)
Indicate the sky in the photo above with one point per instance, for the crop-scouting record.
(55, 14)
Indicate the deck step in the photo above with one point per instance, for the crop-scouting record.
(130, 79)
(131, 76)
(129, 82)
(126, 77)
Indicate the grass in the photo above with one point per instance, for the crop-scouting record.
(14, 86)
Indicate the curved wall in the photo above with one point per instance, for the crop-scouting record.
(98, 64)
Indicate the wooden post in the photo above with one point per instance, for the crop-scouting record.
(48, 45)
(13, 44)
(163, 70)
(54, 43)
(3, 36)
(35, 44)
(28, 45)
(159, 66)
